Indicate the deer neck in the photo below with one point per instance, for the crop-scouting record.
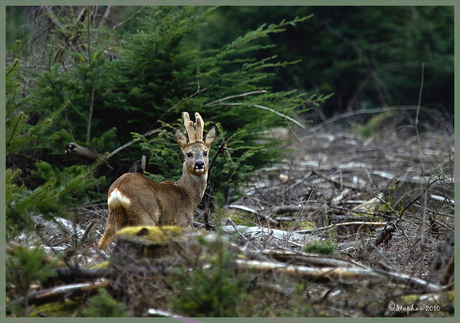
(194, 185)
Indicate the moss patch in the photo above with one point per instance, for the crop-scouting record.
(306, 225)
(102, 265)
(153, 235)
(320, 247)
(58, 309)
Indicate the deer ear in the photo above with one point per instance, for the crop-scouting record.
(210, 137)
(181, 138)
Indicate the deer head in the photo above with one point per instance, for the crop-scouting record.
(195, 148)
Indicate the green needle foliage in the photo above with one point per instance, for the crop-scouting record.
(213, 291)
(102, 305)
(19, 133)
(60, 190)
(327, 247)
(24, 267)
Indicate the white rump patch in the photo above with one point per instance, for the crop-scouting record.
(116, 198)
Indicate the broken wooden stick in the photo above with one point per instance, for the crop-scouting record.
(60, 292)
(336, 273)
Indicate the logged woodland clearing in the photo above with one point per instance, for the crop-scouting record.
(328, 191)
(345, 226)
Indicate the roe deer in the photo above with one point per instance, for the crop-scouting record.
(136, 200)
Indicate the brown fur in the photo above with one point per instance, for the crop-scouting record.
(134, 199)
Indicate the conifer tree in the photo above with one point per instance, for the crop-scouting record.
(161, 72)
(61, 188)
(158, 72)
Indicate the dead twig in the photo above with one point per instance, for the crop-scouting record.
(360, 223)
(234, 97)
(264, 108)
(247, 209)
(128, 19)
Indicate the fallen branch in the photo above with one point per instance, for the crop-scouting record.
(411, 281)
(286, 209)
(334, 182)
(309, 258)
(335, 225)
(309, 272)
(71, 275)
(293, 238)
(58, 293)
(360, 223)
(354, 210)
(152, 312)
(336, 273)
(247, 209)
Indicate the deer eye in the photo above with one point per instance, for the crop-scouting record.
(189, 155)
(205, 153)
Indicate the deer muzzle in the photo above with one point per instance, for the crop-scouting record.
(199, 166)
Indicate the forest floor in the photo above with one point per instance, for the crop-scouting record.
(383, 205)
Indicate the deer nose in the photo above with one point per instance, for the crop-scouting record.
(199, 165)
